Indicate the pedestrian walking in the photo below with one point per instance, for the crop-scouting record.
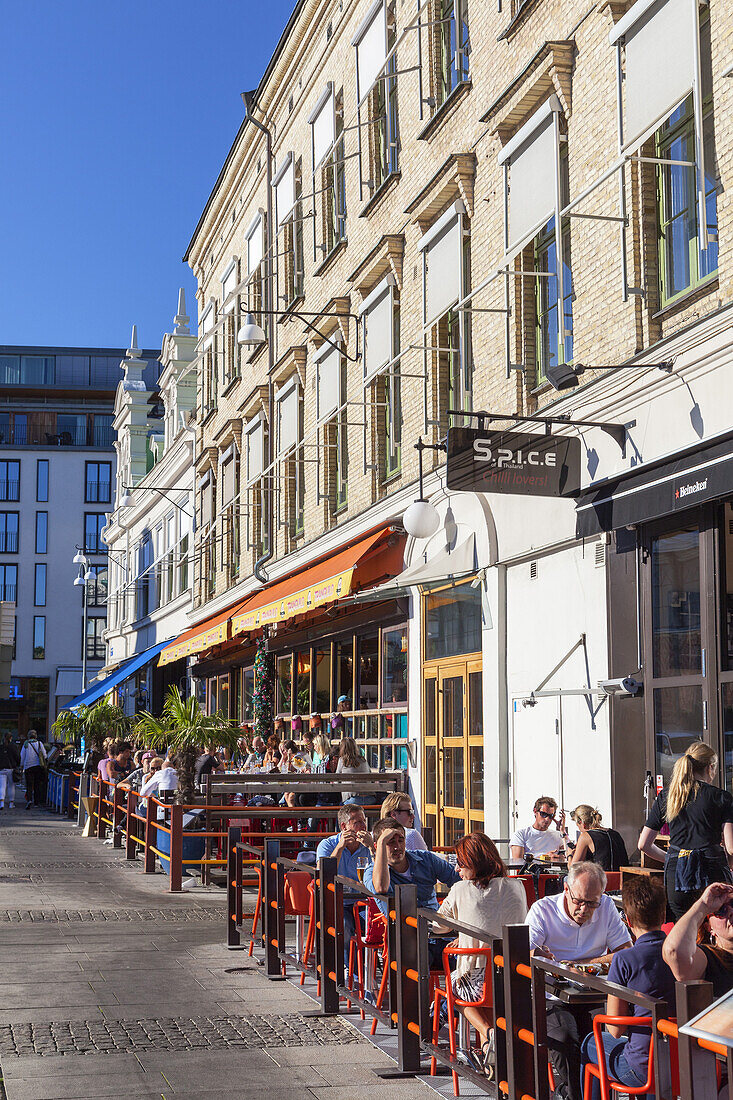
(9, 760)
(32, 761)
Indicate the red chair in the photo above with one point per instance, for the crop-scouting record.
(311, 933)
(544, 881)
(297, 904)
(485, 1001)
(365, 947)
(600, 1072)
(613, 881)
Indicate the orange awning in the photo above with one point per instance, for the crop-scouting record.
(323, 583)
(206, 634)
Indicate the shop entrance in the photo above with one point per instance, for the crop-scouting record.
(687, 566)
(453, 736)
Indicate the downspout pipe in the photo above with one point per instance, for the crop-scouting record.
(258, 568)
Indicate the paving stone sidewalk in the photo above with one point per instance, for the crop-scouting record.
(111, 986)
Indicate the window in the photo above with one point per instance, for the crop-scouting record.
(8, 582)
(332, 409)
(292, 454)
(97, 586)
(230, 309)
(683, 265)
(329, 175)
(452, 622)
(377, 90)
(93, 524)
(144, 561)
(8, 532)
(103, 432)
(384, 139)
(452, 48)
(256, 265)
(381, 308)
(98, 480)
(209, 375)
(41, 479)
(287, 183)
(72, 429)
(39, 637)
(41, 532)
(10, 480)
(394, 666)
(95, 641)
(26, 370)
(39, 586)
(545, 260)
(183, 563)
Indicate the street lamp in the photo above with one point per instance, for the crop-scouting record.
(85, 575)
(421, 519)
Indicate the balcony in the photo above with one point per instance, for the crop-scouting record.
(56, 430)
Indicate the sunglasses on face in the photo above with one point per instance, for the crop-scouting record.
(406, 810)
(544, 813)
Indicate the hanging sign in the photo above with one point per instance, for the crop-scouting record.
(513, 462)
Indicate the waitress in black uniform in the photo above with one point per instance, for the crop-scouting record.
(700, 818)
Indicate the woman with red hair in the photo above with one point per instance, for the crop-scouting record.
(485, 899)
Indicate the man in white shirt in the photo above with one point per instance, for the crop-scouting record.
(539, 839)
(165, 779)
(581, 924)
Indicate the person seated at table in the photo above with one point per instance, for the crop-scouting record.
(581, 924)
(352, 762)
(163, 778)
(208, 762)
(256, 756)
(539, 839)
(596, 842)
(399, 806)
(394, 866)
(346, 848)
(700, 946)
(117, 764)
(485, 899)
(642, 969)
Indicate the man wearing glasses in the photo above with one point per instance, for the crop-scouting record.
(581, 924)
(539, 839)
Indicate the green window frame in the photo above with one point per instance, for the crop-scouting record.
(547, 336)
(453, 48)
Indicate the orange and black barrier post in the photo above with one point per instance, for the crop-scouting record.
(332, 967)
(234, 888)
(273, 967)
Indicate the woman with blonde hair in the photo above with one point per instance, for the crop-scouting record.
(700, 818)
(399, 806)
(596, 842)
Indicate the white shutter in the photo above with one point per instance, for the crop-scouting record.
(328, 366)
(532, 159)
(228, 283)
(255, 449)
(371, 48)
(661, 42)
(442, 249)
(226, 463)
(378, 311)
(284, 183)
(323, 125)
(287, 418)
(207, 323)
(255, 244)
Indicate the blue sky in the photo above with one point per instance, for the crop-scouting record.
(116, 118)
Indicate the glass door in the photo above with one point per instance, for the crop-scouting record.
(453, 725)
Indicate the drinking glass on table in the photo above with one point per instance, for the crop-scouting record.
(362, 862)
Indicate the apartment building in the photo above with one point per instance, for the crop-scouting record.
(57, 469)
(150, 530)
(520, 209)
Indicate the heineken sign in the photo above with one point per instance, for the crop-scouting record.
(513, 462)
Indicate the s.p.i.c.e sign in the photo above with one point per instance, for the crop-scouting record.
(513, 462)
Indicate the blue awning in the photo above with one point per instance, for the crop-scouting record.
(97, 691)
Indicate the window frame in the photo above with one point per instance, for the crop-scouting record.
(4, 547)
(39, 623)
(44, 550)
(98, 482)
(42, 464)
(40, 583)
(98, 547)
(6, 464)
(6, 569)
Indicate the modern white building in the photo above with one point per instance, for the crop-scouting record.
(57, 470)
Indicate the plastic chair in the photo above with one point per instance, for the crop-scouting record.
(600, 1072)
(364, 947)
(485, 1001)
(311, 933)
(613, 881)
(297, 903)
(544, 881)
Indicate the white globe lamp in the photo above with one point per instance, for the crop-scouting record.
(421, 520)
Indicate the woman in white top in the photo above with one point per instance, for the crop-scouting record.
(485, 899)
(399, 806)
(352, 762)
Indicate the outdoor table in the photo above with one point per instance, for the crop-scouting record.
(571, 993)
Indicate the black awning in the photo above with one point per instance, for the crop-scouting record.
(657, 490)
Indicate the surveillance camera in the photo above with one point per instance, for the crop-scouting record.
(626, 685)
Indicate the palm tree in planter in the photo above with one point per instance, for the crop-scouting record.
(100, 721)
(68, 728)
(185, 730)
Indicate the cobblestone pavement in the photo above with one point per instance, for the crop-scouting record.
(112, 986)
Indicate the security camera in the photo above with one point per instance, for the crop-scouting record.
(626, 685)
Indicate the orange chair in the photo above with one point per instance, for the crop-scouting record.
(600, 1072)
(485, 1001)
(364, 947)
(297, 904)
(311, 933)
(257, 869)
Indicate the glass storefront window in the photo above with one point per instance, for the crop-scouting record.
(212, 695)
(303, 682)
(344, 669)
(248, 692)
(322, 658)
(452, 622)
(394, 666)
(368, 671)
(678, 722)
(677, 643)
(284, 684)
(727, 709)
(224, 695)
